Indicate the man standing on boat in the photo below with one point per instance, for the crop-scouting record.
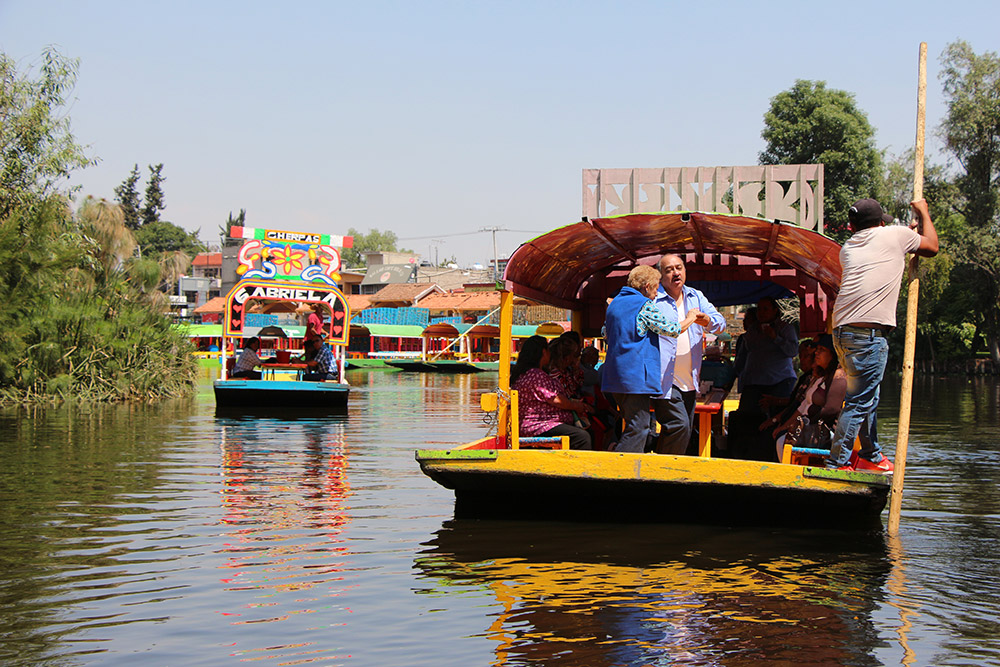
(865, 312)
(631, 372)
(680, 358)
(314, 324)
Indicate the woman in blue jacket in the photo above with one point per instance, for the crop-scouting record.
(631, 370)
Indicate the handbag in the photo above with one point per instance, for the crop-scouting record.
(804, 433)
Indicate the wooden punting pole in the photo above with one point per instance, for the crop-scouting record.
(906, 387)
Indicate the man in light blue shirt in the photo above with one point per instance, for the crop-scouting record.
(680, 358)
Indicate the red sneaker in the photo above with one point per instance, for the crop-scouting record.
(848, 467)
(885, 465)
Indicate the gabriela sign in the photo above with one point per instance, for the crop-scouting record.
(338, 312)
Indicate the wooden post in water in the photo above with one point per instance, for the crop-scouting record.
(909, 348)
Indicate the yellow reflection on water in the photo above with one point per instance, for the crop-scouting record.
(615, 596)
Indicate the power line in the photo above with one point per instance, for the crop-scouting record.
(490, 229)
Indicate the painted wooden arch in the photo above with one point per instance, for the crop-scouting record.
(270, 291)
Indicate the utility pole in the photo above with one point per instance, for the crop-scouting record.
(496, 261)
(436, 243)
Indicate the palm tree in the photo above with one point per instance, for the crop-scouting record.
(111, 242)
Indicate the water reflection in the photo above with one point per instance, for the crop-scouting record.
(285, 493)
(612, 595)
(164, 535)
(81, 496)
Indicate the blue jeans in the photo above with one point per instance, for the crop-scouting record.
(863, 357)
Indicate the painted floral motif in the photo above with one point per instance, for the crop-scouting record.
(268, 259)
(288, 259)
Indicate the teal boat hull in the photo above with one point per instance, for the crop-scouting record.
(239, 393)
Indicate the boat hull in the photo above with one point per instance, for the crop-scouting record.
(237, 393)
(650, 487)
(451, 367)
(367, 364)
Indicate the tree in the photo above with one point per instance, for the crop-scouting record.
(971, 132)
(239, 221)
(373, 241)
(810, 124)
(37, 149)
(160, 236)
(111, 243)
(127, 197)
(971, 129)
(154, 195)
(79, 319)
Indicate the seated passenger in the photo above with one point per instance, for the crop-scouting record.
(591, 378)
(543, 407)
(603, 418)
(745, 442)
(320, 359)
(248, 360)
(814, 418)
(807, 358)
(564, 364)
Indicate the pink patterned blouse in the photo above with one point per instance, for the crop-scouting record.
(534, 391)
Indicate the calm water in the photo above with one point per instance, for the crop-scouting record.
(166, 536)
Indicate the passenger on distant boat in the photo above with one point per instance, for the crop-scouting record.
(248, 360)
(631, 372)
(314, 324)
(679, 368)
(321, 360)
(543, 407)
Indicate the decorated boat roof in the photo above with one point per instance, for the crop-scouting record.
(558, 267)
(734, 259)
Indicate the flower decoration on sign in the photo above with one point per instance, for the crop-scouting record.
(301, 259)
(288, 259)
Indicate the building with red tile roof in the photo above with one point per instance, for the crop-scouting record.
(399, 295)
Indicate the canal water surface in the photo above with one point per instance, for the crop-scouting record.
(167, 535)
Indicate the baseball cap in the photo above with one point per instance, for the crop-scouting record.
(868, 213)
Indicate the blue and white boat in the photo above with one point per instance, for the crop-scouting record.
(281, 272)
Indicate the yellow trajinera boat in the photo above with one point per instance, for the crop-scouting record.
(733, 260)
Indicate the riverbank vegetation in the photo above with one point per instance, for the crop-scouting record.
(81, 317)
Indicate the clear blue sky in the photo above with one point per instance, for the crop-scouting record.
(437, 119)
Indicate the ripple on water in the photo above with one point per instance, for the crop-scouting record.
(171, 536)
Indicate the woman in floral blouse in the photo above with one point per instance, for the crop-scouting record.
(544, 409)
